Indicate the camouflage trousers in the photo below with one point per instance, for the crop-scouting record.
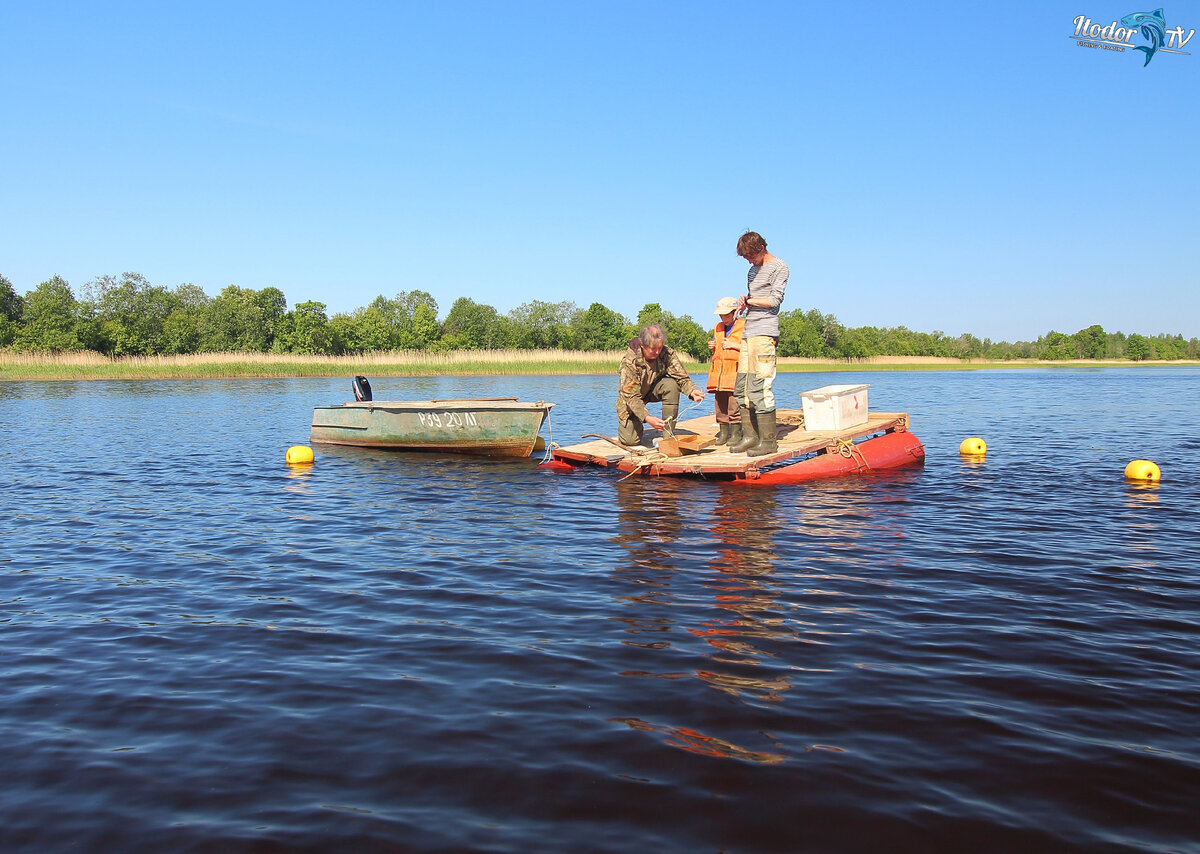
(756, 373)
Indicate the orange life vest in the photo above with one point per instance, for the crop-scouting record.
(723, 372)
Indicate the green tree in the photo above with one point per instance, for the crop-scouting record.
(416, 313)
(802, 334)
(539, 325)
(387, 319)
(379, 326)
(131, 314)
(11, 305)
(341, 328)
(1057, 346)
(1137, 347)
(180, 333)
(181, 329)
(687, 335)
(305, 329)
(600, 328)
(424, 329)
(1091, 343)
(1168, 347)
(242, 319)
(683, 333)
(419, 311)
(852, 343)
(472, 326)
(651, 313)
(869, 342)
(371, 328)
(192, 297)
(408, 322)
(1114, 345)
(50, 319)
(967, 346)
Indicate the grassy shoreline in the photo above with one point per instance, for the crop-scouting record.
(416, 363)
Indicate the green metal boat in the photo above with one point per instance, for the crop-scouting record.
(495, 427)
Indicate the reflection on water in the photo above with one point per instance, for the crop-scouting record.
(697, 742)
(297, 479)
(744, 596)
(970, 463)
(744, 522)
(649, 525)
(1142, 493)
(743, 611)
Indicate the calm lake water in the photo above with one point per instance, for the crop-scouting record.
(203, 650)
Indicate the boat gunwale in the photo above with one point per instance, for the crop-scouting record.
(505, 405)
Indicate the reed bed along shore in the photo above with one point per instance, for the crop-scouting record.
(89, 365)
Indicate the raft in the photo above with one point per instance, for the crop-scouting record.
(883, 442)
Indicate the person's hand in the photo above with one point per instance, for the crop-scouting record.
(712, 345)
(655, 422)
(697, 395)
(741, 303)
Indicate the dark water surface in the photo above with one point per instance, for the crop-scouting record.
(203, 650)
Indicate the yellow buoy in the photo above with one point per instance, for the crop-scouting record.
(973, 447)
(1142, 470)
(299, 455)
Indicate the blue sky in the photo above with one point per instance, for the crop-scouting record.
(954, 167)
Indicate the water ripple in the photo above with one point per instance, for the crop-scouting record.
(206, 651)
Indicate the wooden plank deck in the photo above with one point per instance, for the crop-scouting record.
(794, 443)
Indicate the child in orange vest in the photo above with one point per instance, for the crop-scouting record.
(726, 344)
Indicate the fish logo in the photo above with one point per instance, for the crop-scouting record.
(1153, 27)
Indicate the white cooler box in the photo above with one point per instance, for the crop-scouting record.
(834, 407)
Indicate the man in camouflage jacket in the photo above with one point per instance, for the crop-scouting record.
(650, 371)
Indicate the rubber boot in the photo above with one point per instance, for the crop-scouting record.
(723, 434)
(670, 416)
(735, 433)
(749, 433)
(767, 443)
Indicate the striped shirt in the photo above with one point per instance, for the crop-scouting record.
(765, 282)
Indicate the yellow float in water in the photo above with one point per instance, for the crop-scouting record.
(299, 455)
(1142, 470)
(973, 447)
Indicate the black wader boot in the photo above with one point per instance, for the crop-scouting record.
(767, 443)
(749, 432)
(735, 433)
(723, 434)
(670, 416)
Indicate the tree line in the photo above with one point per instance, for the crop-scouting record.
(129, 316)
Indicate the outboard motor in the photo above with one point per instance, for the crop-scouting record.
(362, 389)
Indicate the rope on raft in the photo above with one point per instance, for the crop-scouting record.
(849, 450)
(646, 457)
(550, 443)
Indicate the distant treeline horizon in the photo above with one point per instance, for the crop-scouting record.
(129, 316)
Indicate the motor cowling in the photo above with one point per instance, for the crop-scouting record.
(362, 389)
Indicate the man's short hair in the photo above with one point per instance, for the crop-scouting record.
(751, 243)
(650, 334)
